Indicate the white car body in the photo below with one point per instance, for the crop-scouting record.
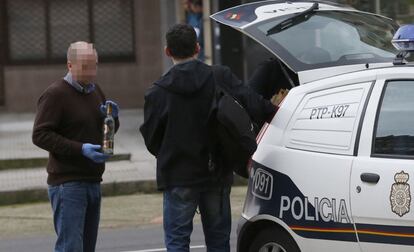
(333, 170)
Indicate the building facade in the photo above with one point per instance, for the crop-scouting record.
(129, 37)
(35, 35)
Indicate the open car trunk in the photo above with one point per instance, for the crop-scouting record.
(315, 40)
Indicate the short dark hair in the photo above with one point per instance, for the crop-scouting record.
(181, 41)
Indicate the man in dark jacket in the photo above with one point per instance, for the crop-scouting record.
(68, 125)
(270, 77)
(176, 131)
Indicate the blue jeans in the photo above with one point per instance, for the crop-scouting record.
(76, 211)
(180, 205)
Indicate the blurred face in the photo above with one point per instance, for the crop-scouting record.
(196, 8)
(186, 4)
(83, 65)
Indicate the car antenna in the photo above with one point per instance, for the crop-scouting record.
(297, 19)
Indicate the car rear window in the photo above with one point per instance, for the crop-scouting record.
(330, 38)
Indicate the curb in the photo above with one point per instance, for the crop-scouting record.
(108, 189)
(23, 163)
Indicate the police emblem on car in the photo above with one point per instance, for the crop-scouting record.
(400, 194)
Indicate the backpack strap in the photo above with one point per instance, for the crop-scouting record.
(213, 162)
(219, 85)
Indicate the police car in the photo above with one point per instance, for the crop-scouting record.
(334, 169)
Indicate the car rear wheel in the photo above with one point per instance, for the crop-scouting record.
(273, 240)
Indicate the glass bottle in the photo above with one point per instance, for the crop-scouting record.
(108, 132)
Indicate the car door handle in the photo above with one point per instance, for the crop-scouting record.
(370, 177)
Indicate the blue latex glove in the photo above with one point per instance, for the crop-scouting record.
(115, 108)
(91, 151)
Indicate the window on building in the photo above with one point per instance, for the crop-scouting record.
(112, 33)
(395, 123)
(41, 30)
(27, 33)
(68, 22)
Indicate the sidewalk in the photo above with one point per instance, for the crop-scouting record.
(16, 144)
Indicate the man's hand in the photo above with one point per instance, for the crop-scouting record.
(115, 108)
(278, 98)
(91, 151)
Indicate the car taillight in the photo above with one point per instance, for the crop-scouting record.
(260, 136)
(261, 132)
(266, 125)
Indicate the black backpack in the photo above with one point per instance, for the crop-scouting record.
(233, 135)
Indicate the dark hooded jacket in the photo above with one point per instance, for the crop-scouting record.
(176, 115)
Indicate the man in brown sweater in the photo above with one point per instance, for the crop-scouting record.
(68, 125)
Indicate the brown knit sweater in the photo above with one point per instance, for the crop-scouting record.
(65, 120)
